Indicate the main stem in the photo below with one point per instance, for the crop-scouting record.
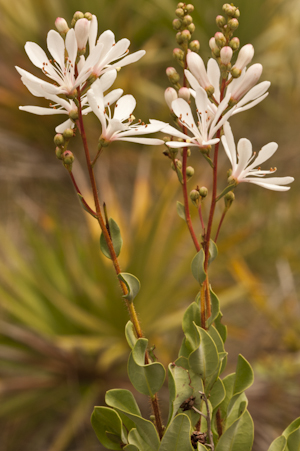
(130, 306)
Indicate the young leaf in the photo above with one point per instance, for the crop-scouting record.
(293, 441)
(130, 334)
(105, 420)
(205, 359)
(181, 210)
(244, 376)
(179, 388)
(213, 251)
(217, 394)
(220, 327)
(198, 267)
(132, 283)
(123, 400)
(147, 379)
(191, 319)
(278, 444)
(239, 436)
(116, 238)
(177, 435)
(215, 308)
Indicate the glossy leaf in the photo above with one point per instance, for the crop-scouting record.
(291, 427)
(239, 436)
(205, 359)
(217, 394)
(130, 334)
(197, 267)
(116, 238)
(279, 444)
(181, 210)
(124, 402)
(236, 409)
(146, 379)
(177, 435)
(215, 308)
(132, 283)
(105, 420)
(244, 375)
(293, 441)
(180, 389)
(228, 383)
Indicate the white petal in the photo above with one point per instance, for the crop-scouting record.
(192, 80)
(107, 38)
(148, 141)
(124, 107)
(112, 96)
(273, 183)
(108, 79)
(213, 72)
(36, 54)
(56, 47)
(41, 111)
(129, 59)
(196, 65)
(97, 106)
(229, 145)
(250, 104)
(244, 149)
(169, 130)
(254, 93)
(115, 52)
(264, 154)
(71, 46)
(62, 127)
(183, 111)
(93, 32)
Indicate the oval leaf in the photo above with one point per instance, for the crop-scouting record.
(116, 239)
(130, 334)
(147, 379)
(181, 210)
(180, 389)
(198, 267)
(215, 308)
(132, 283)
(278, 444)
(105, 420)
(177, 435)
(205, 359)
(213, 251)
(239, 437)
(244, 376)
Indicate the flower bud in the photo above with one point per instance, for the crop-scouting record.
(185, 35)
(172, 74)
(88, 16)
(194, 196)
(178, 165)
(177, 24)
(247, 81)
(81, 28)
(228, 199)
(179, 39)
(214, 48)
(190, 171)
(59, 140)
(229, 10)
(184, 93)
(61, 25)
(220, 21)
(68, 133)
(191, 28)
(226, 54)
(220, 39)
(187, 20)
(234, 43)
(68, 157)
(197, 67)
(188, 151)
(178, 54)
(244, 57)
(181, 5)
(59, 153)
(195, 46)
(203, 191)
(73, 115)
(233, 24)
(237, 13)
(78, 15)
(189, 8)
(170, 95)
(179, 13)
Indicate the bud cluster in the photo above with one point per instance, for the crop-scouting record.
(61, 141)
(185, 27)
(81, 24)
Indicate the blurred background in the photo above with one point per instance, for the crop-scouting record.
(62, 318)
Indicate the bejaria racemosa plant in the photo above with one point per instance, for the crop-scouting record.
(207, 411)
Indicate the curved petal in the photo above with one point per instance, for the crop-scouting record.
(112, 96)
(62, 127)
(71, 46)
(169, 130)
(264, 154)
(213, 73)
(148, 141)
(36, 54)
(56, 47)
(93, 32)
(244, 149)
(183, 111)
(41, 111)
(124, 107)
(108, 79)
(249, 105)
(192, 80)
(273, 183)
(107, 38)
(129, 59)
(98, 108)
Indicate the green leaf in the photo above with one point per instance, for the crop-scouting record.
(130, 334)
(278, 444)
(181, 210)
(177, 435)
(205, 359)
(293, 441)
(220, 327)
(291, 427)
(131, 448)
(220, 347)
(105, 420)
(191, 318)
(201, 447)
(244, 376)
(198, 267)
(236, 409)
(239, 436)
(213, 251)
(136, 440)
(146, 379)
(228, 382)
(217, 394)
(179, 388)
(80, 197)
(124, 402)
(132, 283)
(116, 238)
(215, 308)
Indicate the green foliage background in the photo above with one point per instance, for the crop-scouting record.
(62, 321)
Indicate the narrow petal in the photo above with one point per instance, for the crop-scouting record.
(36, 54)
(116, 52)
(250, 104)
(148, 141)
(124, 107)
(108, 79)
(231, 149)
(264, 154)
(192, 80)
(169, 130)
(97, 106)
(213, 72)
(129, 59)
(93, 32)
(71, 46)
(41, 111)
(62, 127)
(56, 47)
(254, 93)
(273, 183)
(244, 149)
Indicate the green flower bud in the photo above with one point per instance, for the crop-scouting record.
(233, 24)
(229, 172)
(188, 154)
(186, 35)
(220, 39)
(220, 21)
(191, 28)
(102, 143)
(73, 115)
(181, 5)
(189, 8)
(59, 140)
(178, 54)
(194, 195)
(78, 15)
(203, 191)
(187, 20)
(178, 165)
(195, 46)
(190, 171)
(179, 13)
(179, 38)
(59, 153)
(177, 24)
(237, 13)
(68, 133)
(172, 74)
(228, 199)
(68, 157)
(152, 418)
(235, 72)
(172, 151)
(234, 43)
(230, 10)
(88, 16)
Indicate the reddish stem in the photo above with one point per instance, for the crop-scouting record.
(220, 224)
(78, 192)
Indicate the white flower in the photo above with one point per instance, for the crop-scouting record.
(208, 123)
(170, 95)
(120, 127)
(244, 57)
(111, 51)
(82, 28)
(243, 166)
(62, 69)
(68, 106)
